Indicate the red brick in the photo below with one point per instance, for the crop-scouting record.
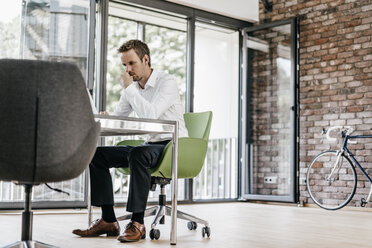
(329, 57)
(354, 109)
(353, 23)
(344, 55)
(354, 59)
(355, 96)
(362, 39)
(363, 64)
(321, 41)
(329, 69)
(329, 92)
(345, 42)
(338, 98)
(345, 31)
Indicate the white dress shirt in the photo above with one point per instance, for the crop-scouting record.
(159, 99)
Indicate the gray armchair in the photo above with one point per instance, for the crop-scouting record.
(47, 129)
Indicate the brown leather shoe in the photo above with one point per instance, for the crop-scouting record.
(99, 227)
(134, 231)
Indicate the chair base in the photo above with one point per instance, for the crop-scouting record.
(160, 211)
(29, 244)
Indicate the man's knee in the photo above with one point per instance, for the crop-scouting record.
(142, 156)
(137, 156)
(99, 158)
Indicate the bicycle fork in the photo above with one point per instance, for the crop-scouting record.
(337, 167)
(363, 201)
(369, 195)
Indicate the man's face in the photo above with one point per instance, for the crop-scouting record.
(134, 65)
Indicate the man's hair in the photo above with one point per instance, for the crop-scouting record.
(138, 46)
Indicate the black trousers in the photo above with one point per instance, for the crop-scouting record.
(138, 158)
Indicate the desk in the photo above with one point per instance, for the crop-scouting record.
(124, 126)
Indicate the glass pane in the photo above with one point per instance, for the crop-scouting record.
(10, 29)
(168, 53)
(119, 31)
(216, 89)
(270, 101)
(165, 35)
(45, 30)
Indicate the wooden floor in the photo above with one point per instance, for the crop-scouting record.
(232, 225)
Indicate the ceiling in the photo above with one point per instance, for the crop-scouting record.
(246, 10)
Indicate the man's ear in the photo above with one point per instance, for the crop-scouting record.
(146, 59)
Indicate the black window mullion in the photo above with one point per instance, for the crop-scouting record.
(190, 71)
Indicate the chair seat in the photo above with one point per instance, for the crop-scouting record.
(190, 160)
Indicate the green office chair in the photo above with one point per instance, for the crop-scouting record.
(191, 154)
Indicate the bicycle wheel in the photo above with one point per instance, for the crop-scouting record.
(333, 192)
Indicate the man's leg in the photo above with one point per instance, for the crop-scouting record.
(140, 158)
(100, 177)
(102, 191)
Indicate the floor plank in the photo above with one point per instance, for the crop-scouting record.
(232, 225)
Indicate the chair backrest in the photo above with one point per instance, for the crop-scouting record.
(47, 128)
(198, 124)
(191, 151)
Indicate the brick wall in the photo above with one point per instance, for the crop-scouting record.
(335, 75)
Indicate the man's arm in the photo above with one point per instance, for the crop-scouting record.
(163, 100)
(123, 107)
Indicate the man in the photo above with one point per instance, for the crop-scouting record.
(150, 94)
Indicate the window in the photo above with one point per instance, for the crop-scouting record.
(216, 89)
(46, 30)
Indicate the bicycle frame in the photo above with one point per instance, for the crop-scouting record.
(344, 148)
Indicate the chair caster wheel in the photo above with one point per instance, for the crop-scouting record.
(191, 225)
(206, 231)
(154, 234)
(363, 202)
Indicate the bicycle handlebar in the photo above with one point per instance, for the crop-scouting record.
(347, 129)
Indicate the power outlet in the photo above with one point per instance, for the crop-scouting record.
(270, 179)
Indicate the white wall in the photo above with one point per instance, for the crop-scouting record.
(246, 10)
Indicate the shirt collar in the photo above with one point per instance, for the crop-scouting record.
(151, 82)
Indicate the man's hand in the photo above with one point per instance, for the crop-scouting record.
(103, 113)
(126, 79)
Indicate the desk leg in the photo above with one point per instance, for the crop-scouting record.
(173, 234)
(88, 196)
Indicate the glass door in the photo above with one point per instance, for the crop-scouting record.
(270, 112)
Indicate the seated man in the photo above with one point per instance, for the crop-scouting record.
(151, 94)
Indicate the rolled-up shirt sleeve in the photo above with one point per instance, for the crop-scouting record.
(166, 95)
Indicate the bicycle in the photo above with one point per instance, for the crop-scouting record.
(331, 178)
